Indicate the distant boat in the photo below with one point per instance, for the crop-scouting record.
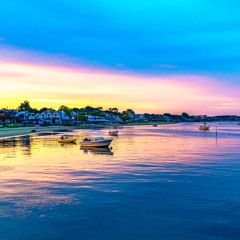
(65, 139)
(96, 142)
(204, 127)
(113, 133)
(238, 123)
(155, 125)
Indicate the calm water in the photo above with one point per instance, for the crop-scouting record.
(170, 182)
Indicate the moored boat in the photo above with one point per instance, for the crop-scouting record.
(204, 127)
(113, 133)
(96, 142)
(65, 139)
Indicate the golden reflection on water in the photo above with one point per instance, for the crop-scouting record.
(34, 169)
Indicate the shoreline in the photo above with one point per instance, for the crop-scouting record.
(148, 123)
(23, 131)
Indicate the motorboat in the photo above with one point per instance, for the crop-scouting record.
(96, 142)
(113, 133)
(204, 127)
(66, 139)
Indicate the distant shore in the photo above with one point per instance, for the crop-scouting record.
(148, 123)
(21, 131)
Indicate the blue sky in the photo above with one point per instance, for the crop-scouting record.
(145, 36)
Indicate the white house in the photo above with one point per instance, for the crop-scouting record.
(113, 118)
(63, 115)
(48, 116)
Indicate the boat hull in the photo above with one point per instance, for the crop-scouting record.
(204, 128)
(113, 133)
(103, 143)
(67, 140)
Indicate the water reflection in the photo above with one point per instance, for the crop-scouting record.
(8, 143)
(169, 182)
(67, 144)
(23, 143)
(97, 150)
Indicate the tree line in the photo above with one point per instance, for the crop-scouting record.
(81, 112)
(97, 111)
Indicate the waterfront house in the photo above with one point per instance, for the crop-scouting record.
(51, 117)
(74, 115)
(203, 117)
(22, 116)
(96, 119)
(6, 118)
(137, 117)
(113, 118)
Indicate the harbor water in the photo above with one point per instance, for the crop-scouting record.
(166, 182)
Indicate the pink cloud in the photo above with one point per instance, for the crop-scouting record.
(36, 76)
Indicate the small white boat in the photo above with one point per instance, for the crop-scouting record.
(113, 133)
(96, 142)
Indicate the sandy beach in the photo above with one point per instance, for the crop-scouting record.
(12, 132)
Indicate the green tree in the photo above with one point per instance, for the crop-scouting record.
(185, 115)
(46, 109)
(125, 117)
(82, 118)
(33, 110)
(66, 109)
(24, 106)
(114, 110)
(89, 109)
(98, 113)
(167, 114)
(130, 111)
(75, 109)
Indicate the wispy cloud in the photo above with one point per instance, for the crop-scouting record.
(53, 86)
(159, 55)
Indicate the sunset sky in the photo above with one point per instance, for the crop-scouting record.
(152, 56)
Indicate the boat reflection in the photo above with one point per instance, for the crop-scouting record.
(97, 150)
(65, 145)
(23, 144)
(23, 141)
